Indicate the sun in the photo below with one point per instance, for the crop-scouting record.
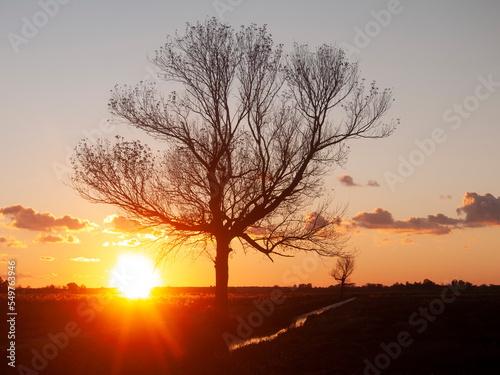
(134, 276)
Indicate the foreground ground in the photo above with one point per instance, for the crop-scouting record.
(424, 333)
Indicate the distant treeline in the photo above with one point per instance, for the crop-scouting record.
(301, 288)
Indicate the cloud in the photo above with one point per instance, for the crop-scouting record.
(406, 241)
(83, 259)
(19, 275)
(121, 224)
(47, 258)
(314, 220)
(381, 241)
(48, 275)
(11, 242)
(347, 180)
(443, 219)
(24, 275)
(381, 219)
(480, 210)
(133, 242)
(257, 231)
(445, 197)
(27, 218)
(50, 238)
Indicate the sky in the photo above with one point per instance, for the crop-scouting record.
(424, 202)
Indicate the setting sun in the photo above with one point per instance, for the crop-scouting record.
(134, 275)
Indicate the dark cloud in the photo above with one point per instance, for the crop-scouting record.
(480, 210)
(443, 219)
(382, 219)
(314, 220)
(347, 180)
(3, 239)
(27, 218)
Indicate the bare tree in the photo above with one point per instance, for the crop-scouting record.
(342, 270)
(248, 139)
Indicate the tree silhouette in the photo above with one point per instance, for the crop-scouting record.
(247, 138)
(343, 269)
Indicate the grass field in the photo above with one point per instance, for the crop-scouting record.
(424, 333)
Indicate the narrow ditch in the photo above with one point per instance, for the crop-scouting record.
(298, 322)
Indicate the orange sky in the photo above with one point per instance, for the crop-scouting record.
(402, 193)
(53, 249)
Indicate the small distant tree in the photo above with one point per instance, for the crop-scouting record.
(72, 287)
(342, 270)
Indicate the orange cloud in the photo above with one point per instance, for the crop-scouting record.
(50, 238)
(121, 224)
(27, 218)
(406, 241)
(24, 275)
(83, 259)
(47, 258)
(381, 241)
(11, 242)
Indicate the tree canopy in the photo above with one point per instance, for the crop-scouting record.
(248, 136)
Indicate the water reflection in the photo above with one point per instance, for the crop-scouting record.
(298, 322)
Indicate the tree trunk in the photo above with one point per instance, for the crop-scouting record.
(342, 290)
(221, 275)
